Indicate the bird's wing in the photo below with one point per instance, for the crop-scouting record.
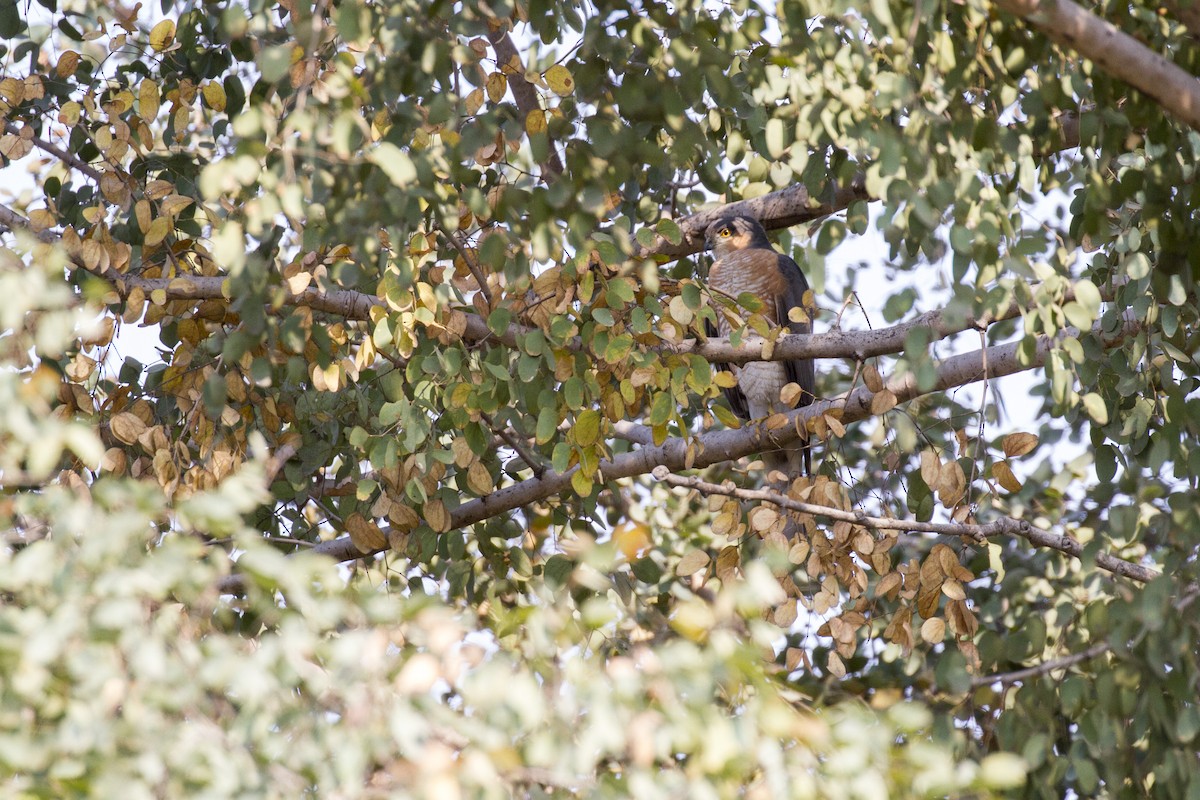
(737, 400)
(799, 371)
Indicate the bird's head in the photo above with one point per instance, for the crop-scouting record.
(730, 234)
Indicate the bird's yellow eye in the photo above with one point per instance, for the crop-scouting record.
(724, 232)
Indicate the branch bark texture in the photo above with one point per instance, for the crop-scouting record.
(1116, 52)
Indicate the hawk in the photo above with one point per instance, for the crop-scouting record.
(745, 261)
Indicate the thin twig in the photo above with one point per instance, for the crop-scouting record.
(535, 463)
(1004, 526)
(1046, 667)
(472, 264)
(70, 159)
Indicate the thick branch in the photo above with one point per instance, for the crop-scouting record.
(789, 206)
(523, 91)
(1117, 53)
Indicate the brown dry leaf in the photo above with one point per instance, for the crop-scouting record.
(946, 557)
(437, 516)
(1003, 473)
(872, 378)
(962, 621)
(403, 517)
(479, 480)
(1019, 444)
(785, 614)
(883, 401)
(728, 561)
(931, 467)
(365, 534)
(836, 667)
(798, 553)
(954, 590)
(928, 600)
(890, 583)
(691, 563)
(835, 425)
(127, 427)
(762, 518)
(790, 394)
(68, 62)
(933, 630)
(497, 86)
(952, 484)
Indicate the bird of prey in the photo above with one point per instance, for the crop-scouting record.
(745, 261)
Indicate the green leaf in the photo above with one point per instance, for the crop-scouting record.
(395, 163)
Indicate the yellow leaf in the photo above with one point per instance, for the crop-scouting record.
(148, 99)
(1018, 444)
(725, 379)
(172, 204)
(158, 230)
(68, 62)
(535, 123)
(587, 428)
(162, 35)
(497, 85)
(581, 484)
(214, 95)
(141, 211)
(69, 113)
(560, 81)
(41, 219)
(631, 538)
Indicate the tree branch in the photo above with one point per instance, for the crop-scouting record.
(1116, 52)
(1004, 526)
(70, 159)
(523, 91)
(1044, 668)
(677, 454)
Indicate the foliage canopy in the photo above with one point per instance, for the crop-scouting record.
(427, 296)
